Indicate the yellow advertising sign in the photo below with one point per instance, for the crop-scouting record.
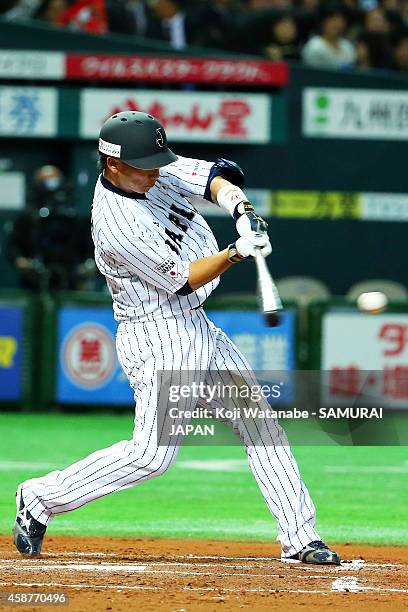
(316, 205)
(8, 348)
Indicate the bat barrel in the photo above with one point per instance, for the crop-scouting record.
(270, 301)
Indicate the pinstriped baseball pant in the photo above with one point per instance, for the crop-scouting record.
(188, 342)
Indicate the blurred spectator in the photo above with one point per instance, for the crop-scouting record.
(404, 12)
(353, 14)
(222, 18)
(225, 5)
(19, 10)
(47, 244)
(283, 44)
(372, 51)
(353, 5)
(367, 5)
(276, 29)
(394, 17)
(363, 52)
(309, 5)
(270, 33)
(256, 5)
(51, 11)
(137, 13)
(306, 19)
(179, 22)
(400, 51)
(328, 49)
(126, 16)
(391, 5)
(50, 189)
(168, 22)
(376, 21)
(87, 16)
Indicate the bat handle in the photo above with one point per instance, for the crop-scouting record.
(259, 258)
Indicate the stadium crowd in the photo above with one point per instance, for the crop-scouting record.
(348, 33)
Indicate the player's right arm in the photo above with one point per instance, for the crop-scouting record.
(151, 259)
(147, 256)
(133, 249)
(204, 270)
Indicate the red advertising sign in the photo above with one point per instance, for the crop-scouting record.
(176, 70)
(186, 116)
(370, 352)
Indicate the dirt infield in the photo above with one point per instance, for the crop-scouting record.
(146, 574)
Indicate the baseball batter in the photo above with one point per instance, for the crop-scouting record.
(161, 262)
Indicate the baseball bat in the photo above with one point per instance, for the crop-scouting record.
(268, 295)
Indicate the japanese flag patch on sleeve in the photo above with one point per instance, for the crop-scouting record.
(168, 266)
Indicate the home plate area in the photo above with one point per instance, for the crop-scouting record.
(181, 575)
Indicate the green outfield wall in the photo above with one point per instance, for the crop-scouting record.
(59, 349)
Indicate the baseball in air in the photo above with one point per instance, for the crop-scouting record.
(372, 302)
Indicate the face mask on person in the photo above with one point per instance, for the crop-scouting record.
(52, 183)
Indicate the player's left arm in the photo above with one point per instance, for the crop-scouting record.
(190, 177)
(226, 180)
(219, 182)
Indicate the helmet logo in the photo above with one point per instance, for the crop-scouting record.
(160, 138)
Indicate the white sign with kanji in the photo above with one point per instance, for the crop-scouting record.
(28, 111)
(187, 116)
(21, 64)
(355, 113)
(370, 351)
(12, 190)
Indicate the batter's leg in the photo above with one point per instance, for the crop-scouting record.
(143, 350)
(270, 458)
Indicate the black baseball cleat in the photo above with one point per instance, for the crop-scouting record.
(317, 552)
(28, 533)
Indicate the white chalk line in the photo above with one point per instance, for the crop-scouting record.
(259, 590)
(78, 554)
(45, 564)
(352, 584)
(346, 584)
(357, 564)
(132, 568)
(342, 584)
(353, 564)
(349, 584)
(124, 587)
(81, 586)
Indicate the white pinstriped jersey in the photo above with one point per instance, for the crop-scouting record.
(144, 244)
